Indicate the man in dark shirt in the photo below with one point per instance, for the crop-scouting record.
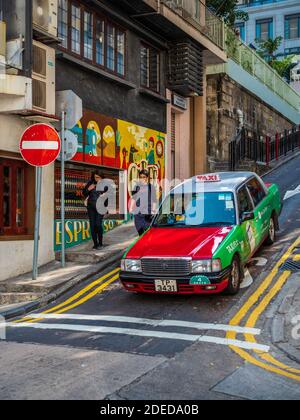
(143, 203)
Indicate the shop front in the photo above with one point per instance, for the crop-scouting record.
(113, 146)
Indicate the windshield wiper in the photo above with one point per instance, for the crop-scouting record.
(217, 224)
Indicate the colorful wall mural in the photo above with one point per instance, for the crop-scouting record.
(106, 141)
(111, 143)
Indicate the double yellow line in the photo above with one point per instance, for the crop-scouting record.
(81, 297)
(252, 311)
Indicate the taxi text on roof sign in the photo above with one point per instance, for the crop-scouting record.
(209, 178)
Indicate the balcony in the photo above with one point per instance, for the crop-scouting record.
(197, 14)
(177, 19)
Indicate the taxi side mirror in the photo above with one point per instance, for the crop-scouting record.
(246, 217)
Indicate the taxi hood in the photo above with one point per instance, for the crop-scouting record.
(179, 242)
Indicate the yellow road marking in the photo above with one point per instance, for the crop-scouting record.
(83, 300)
(296, 258)
(253, 318)
(246, 356)
(270, 359)
(76, 296)
(278, 368)
(264, 286)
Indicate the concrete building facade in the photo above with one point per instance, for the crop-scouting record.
(269, 19)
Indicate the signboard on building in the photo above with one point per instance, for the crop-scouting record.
(180, 102)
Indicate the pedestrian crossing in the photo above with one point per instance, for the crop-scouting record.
(165, 329)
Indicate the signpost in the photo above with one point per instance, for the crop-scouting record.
(39, 146)
(69, 106)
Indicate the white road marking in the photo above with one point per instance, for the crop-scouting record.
(259, 261)
(40, 145)
(144, 333)
(290, 194)
(152, 322)
(248, 280)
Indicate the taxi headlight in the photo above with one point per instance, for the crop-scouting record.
(132, 266)
(206, 266)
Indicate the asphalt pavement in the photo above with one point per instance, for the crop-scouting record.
(100, 342)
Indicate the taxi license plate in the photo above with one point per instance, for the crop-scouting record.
(166, 286)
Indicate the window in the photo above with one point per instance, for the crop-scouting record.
(264, 29)
(150, 68)
(292, 27)
(111, 46)
(92, 37)
(88, 36)
(100, 42)
(257, 191)
(245, 204)
(120, 52)
(63, 22)
(13, 190)
(240, 27)
(76, 29)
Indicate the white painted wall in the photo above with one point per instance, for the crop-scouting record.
(16, 256)
(277, 11)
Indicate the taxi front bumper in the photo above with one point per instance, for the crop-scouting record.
(140, 283)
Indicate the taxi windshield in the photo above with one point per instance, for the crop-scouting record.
(203, 209)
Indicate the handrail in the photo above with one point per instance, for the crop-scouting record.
(254, 64)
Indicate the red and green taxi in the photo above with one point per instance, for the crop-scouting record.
(204, 234)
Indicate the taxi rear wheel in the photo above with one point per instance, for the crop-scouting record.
(272, 232)
(235, 278)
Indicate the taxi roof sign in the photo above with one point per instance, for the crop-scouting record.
(209, 178)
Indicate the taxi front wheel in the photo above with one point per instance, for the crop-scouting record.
(272, 232)
(235, 278)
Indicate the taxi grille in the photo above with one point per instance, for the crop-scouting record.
(166, 267)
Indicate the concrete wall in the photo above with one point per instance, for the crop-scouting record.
(225, 99)
(16, 256)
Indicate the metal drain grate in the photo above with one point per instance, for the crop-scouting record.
(291, 265)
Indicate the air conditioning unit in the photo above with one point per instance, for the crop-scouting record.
(43, 79)
(45, 16)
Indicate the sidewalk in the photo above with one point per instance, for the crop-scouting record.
(284, 319)
(21, 294)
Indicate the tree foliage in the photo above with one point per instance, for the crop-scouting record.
(228, 10)
(268, 50)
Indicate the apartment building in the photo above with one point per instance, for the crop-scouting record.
(270, 19)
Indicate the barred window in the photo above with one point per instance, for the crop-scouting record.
(150, 68)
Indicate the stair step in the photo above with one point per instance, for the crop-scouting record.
(13, 298)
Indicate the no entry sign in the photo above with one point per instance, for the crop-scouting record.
(40, 145)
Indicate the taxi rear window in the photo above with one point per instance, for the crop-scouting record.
(205, 209)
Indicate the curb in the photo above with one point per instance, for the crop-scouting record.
(278, 325)
(53, 296)
(294, 156)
